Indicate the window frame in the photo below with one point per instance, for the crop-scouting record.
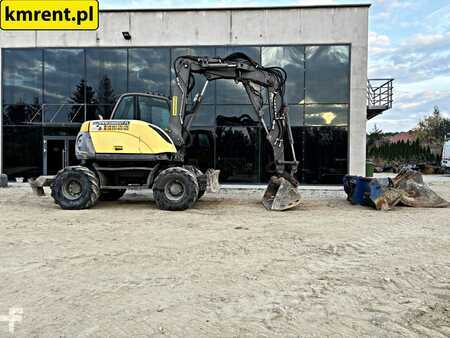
(119, 101)
(137, 112)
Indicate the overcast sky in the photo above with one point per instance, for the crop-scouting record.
(409, 40)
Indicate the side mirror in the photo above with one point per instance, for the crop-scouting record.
(100, 117)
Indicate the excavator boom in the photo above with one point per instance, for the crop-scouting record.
(281, 194)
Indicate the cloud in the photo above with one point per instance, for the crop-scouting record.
(379, 43)
(428, 40)
(439, 20)
(390, 8)
(379, 39)
(417, 58)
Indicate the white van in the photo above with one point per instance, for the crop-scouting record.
(446, 157)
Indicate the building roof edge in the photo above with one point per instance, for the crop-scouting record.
(183, 9)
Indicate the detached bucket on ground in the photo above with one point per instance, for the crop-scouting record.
(281, 195)
(407, 188)
(212, 180)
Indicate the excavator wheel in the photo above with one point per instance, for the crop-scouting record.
(175, 188)
(75, 188)
(111, 194)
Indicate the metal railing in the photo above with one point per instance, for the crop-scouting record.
(380, 93)
(67, 113)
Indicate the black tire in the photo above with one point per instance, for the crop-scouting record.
(175, 189)
(202, 184)
(75, 188)
(111, 194)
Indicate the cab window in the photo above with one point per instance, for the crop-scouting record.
(125, 109)
(154, 110)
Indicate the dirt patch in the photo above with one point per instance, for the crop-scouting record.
(225, 268)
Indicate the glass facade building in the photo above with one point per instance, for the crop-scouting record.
(48, 92)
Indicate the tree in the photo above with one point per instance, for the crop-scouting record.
(21, 112)
(374, 136)
(433, 129)
(403, 152)
(83, 94)
(106, 97)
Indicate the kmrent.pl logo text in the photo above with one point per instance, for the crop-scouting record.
(49, 15)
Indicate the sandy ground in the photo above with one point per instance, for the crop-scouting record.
(225, 268)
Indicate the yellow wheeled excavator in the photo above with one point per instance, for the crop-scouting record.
(126, 152)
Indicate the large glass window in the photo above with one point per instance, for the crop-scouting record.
(238, 154)
(21, 113)
(292, 60)
(327, 74)
(149, 70)
(296, 115)
(199, 79)
(201, 152)
(324, 155)
(22, 76)
(205, 116)
(22, 85)
(236, 115)
(64, 85)
(326, 115)
(228, 91)
(106, 78)
(53, 85)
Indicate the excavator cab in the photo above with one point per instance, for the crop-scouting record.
(151, 108)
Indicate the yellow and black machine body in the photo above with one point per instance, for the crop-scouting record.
(144, 143)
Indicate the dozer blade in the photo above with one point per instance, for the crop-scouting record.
(39, 183)
(280, 195)
(212, 180)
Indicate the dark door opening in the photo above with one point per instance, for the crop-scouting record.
(59, 152)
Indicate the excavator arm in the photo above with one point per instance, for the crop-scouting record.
(281, 193)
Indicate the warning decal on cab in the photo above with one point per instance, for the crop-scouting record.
(111, 125)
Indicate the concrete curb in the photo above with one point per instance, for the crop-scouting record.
(310, 192)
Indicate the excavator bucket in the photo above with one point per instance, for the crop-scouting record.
(415, 192)
(407, 188)
(281, 195)
(212, 180)
(376, 193)
(381, 195)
